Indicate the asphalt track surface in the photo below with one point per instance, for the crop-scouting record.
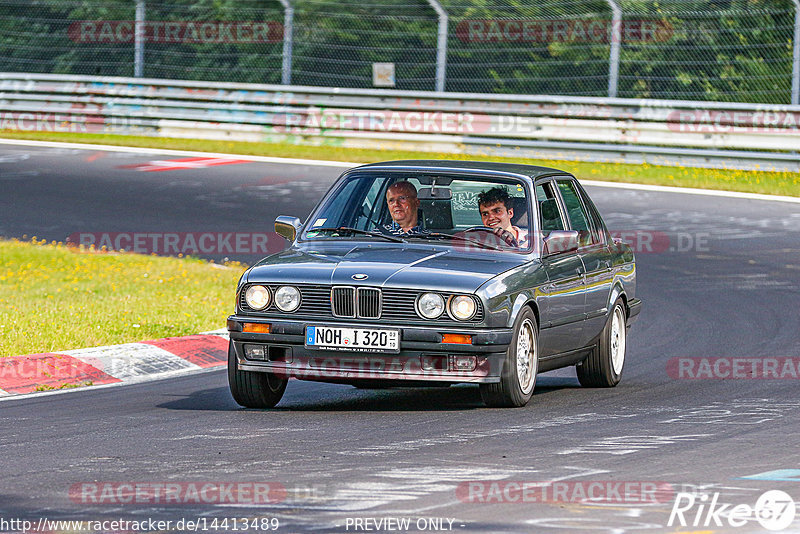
(725, 285)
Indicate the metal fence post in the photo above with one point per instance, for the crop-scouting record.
(441, 45)
(139, 35)
(288, 42)
(796, 55)
(616, 41)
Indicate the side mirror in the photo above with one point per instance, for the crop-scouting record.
(287, 227)
(560, 241)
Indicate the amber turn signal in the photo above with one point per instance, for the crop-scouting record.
(462, 339)
(256, 328)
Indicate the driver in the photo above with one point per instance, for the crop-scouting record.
(403, 203)
(497, 209)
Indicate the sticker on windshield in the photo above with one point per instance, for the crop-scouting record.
(318, 222)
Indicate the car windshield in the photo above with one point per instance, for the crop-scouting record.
(463, 211)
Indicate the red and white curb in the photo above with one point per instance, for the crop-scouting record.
(129, 362)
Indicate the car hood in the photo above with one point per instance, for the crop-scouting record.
(400, 266)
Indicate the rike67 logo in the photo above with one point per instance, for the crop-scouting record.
(774, 510)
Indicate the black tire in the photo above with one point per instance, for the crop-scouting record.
(603, 368)
(517, 381)
(253, 389)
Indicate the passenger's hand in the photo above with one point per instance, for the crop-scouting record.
(506, 236)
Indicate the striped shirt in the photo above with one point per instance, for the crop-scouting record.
(397, 230)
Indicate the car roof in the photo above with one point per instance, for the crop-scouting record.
(531, 171)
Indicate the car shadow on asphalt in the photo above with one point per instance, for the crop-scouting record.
(455, 398)
(323, 397)
(214, 399)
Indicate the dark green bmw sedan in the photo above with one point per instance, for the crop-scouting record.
(430, 273)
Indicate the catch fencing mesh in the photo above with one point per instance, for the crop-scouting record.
(721, 50)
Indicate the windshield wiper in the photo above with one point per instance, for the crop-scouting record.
(439, 235)
(356, 231)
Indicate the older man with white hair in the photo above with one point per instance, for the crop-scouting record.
(401, 197)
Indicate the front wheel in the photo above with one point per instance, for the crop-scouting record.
(603, 367)
(253, 389)
(519, 368)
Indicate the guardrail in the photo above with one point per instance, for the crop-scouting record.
(661, 132)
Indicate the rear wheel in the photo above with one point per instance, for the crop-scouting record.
(253, 389)
(519, 368)
(603, 367)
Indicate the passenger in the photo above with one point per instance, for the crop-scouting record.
(403, 203)
(497, 210)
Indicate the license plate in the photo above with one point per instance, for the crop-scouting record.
(352, 339)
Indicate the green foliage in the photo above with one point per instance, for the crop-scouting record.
(722, 50)
(54, 297)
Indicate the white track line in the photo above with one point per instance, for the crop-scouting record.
(347, 165)
(691, 191)
(189, 153)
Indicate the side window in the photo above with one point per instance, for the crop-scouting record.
(599, 231)
(578, 218)
(549, 216)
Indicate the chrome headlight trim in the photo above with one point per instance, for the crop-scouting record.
(432, 298)
(257, 297)
(454, 303)
(289, 292)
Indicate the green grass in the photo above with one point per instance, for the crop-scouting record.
(66, 385)
(56, 298)
(770, 183)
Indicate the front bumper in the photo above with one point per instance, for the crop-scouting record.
(634, 307)
(286, 354)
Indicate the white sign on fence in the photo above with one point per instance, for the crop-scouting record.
(383, 74)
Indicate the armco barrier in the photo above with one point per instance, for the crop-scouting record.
(705, 134)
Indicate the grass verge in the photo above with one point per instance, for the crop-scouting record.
(769, 183)
(53, 298)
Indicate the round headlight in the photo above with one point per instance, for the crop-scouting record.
(430, 305)
(287, 298)
(257, 297)
(463, 307)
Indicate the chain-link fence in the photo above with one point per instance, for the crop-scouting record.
(724, 50)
